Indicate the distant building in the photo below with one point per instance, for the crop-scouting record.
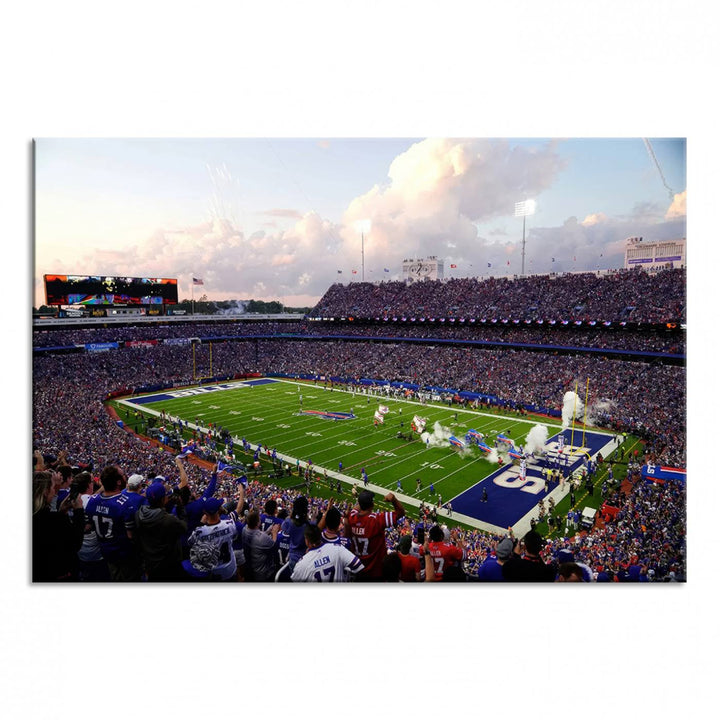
(654, 255)
(414, 269)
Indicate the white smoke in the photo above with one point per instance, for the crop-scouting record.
(598, 411)
(536, 439)
(572, 407)
(438, 437)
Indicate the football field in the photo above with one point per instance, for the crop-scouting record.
(337, 431)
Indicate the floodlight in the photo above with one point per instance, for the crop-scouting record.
(526, 207)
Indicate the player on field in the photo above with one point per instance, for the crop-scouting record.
(366, 529)
(324, 562)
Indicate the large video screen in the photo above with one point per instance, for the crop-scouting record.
(105, 290)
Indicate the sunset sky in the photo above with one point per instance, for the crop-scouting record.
(276, 218)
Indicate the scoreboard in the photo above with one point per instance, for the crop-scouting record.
(109, 290)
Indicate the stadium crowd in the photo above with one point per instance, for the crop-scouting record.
(617, 339)
(86, 464)
(647, 399)
(159, 522)
(620, 296)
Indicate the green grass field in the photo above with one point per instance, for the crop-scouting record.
(269, 414)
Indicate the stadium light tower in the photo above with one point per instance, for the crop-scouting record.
(523, 209)
(362, 226)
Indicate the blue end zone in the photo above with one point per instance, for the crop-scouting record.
(204, 390)
(509, 498)
(328, 415)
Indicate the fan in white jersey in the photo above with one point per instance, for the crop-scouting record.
(326, 562)
(211, 550)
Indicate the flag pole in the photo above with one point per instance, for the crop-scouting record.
(587, 387)
(572, 433)
(362, 236)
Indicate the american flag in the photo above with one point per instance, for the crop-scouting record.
(198, 281)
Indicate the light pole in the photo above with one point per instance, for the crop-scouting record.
(363, 226)
(523, 209)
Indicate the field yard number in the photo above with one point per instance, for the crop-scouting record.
(214, 407)
(257, 419)
(386, 453)
(346, 442)
(432, 466)
(235, 412)
(513, 481)
(283, 426)
(314, 434)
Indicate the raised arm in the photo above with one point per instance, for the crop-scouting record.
(321, 522)
(183, 474)
(210, 489)
(429, 564)
(397, 505)
(241, 500)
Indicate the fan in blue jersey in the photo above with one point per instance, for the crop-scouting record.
(269, 517)
(491, 569)
(195, 508)
(109, 515)
(135, 499)
(63, 489)
(294, 528)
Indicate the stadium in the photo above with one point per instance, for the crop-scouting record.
(479, 427)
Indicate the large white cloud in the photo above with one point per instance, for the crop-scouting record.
(678, 207)
(439, 189)
(437, 193)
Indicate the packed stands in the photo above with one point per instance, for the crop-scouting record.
(516, 367)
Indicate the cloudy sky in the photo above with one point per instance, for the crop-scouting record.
(277, 218)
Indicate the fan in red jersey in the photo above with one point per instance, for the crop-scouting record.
(444, 554)
(366, 529)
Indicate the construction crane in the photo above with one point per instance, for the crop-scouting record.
(651, 152)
